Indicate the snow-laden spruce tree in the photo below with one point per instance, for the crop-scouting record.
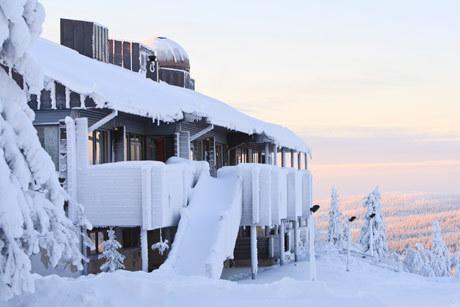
(375, 225)
(440, 261)
(418, 261)
(113, 258)
(335, 233)
(32, 217)
(161, 246)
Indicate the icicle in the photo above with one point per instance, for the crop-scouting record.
(53, 95)
(67, 98)
(82, 101)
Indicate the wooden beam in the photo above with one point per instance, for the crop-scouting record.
(103, 121)
(201, 133)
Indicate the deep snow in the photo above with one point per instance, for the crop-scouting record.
(213, 215)
(365, 285)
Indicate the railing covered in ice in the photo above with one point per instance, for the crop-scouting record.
(137, 193)
(271, 193)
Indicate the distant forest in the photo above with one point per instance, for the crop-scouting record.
(408, 217)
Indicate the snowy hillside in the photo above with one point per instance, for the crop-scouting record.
(408, 217)
(365, 285)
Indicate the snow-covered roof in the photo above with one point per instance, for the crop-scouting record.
(117, 88)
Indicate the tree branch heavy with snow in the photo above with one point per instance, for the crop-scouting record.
(32, 216)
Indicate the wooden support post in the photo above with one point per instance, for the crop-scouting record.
(283, 157)
(144, 250)
(267, 154)
(299, 160)
(281, 237)
(312, 257)
(275, 155)
(253, 251)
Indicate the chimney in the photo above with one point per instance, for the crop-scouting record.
(87, 38)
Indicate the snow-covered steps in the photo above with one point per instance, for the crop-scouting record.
(208, 228)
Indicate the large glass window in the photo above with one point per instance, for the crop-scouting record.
(98, 236)
(131, 237)
(98, 147)
(136, 146)
(155, 148)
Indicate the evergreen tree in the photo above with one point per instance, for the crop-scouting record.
(440, 261)
(161, 246)
(335, 234)
(32, 216)
(418, 261)
(373, 221)
(113, 258)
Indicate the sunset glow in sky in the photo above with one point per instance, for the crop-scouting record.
(373, 87)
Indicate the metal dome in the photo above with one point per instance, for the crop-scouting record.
(170, 54)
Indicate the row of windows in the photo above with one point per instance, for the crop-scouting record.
(103, 147)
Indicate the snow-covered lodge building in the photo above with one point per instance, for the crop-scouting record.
(106, 101)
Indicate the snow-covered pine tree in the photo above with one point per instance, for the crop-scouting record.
(161, 246)
(113, 258)
(440, 261)
(380, 248)
(418, 261)
(32, 216)
(335, 228)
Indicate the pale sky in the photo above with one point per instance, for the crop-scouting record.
(373, 87)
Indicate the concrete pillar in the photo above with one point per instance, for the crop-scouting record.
(271, 246)
(81, 144)
(296, 240)
(253, 251)
(268, 159)
(306, 161)
(144, 250)
(292, 158)
(281, 237)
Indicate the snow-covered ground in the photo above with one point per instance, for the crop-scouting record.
(365, 285)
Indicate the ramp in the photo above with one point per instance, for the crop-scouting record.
(208, 228)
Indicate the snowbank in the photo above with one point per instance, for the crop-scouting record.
(114, 87)
(207, 229)
(365, 285)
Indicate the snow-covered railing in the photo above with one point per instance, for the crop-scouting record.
(137, 193)
(271, 193)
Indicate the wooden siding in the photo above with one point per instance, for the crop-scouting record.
(50, 117)
(87, 38)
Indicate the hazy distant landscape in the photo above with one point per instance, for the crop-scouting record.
(408, 217)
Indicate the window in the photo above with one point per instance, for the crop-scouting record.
(98, 236)
(98, 147)
(131, 237)
(219, 155)
(155, 148)
(135, 148)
